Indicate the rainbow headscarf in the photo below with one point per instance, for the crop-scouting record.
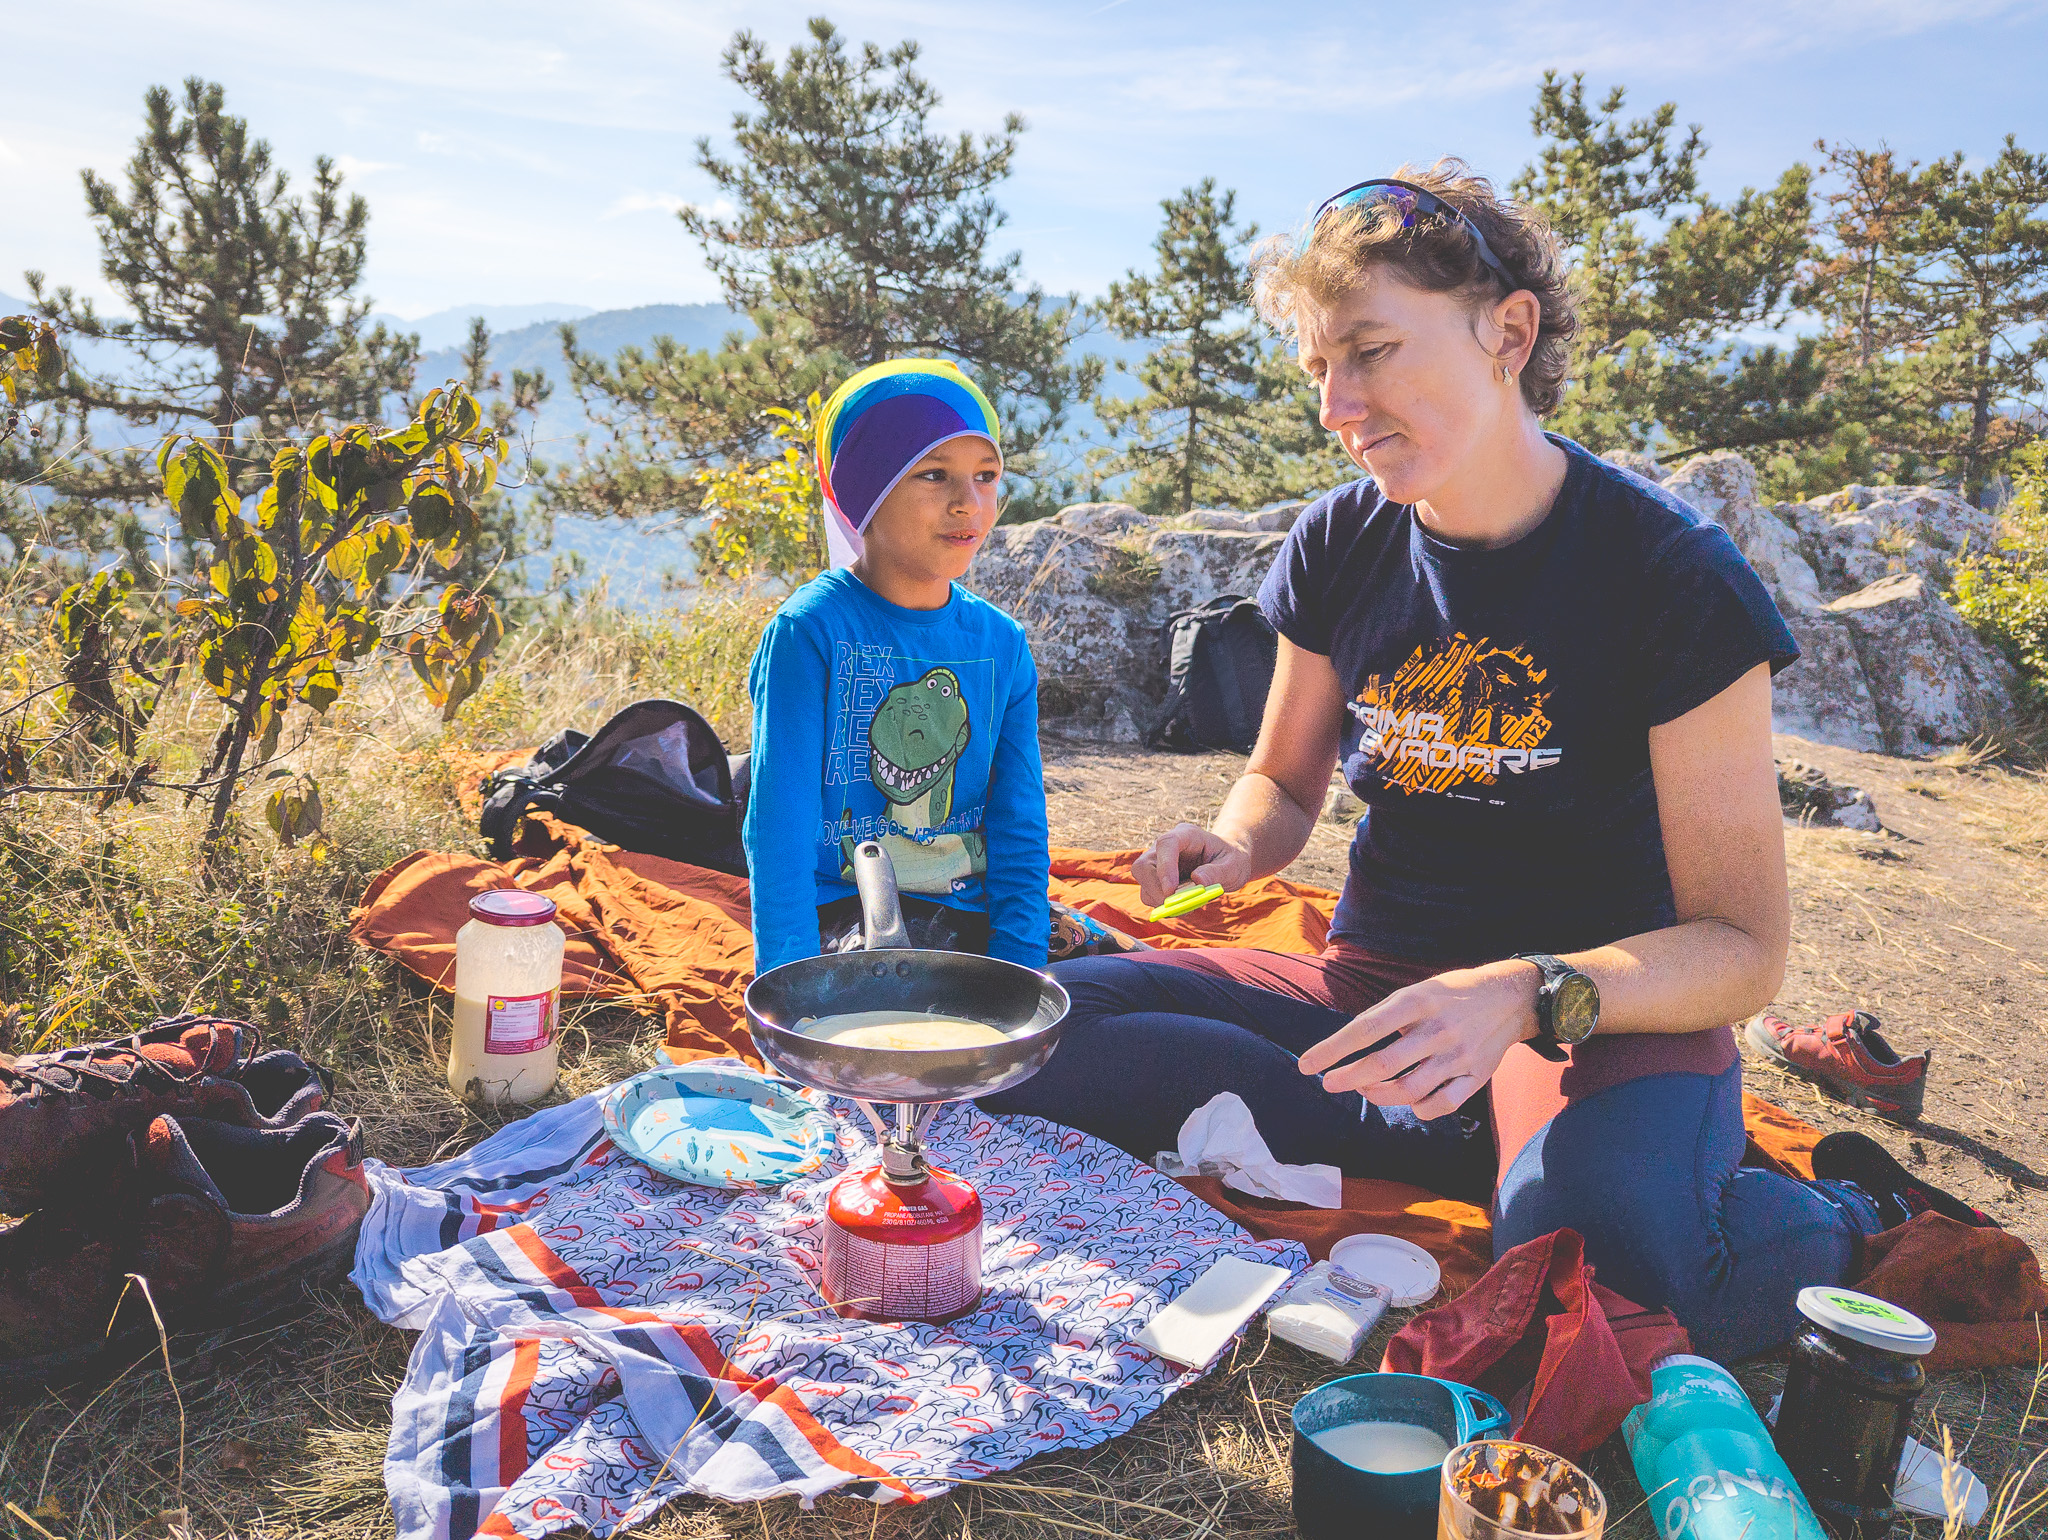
(877, 426)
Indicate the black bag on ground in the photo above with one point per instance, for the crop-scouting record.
(1220, 665)
(655, 779)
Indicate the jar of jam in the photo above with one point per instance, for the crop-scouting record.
(1848, 1406)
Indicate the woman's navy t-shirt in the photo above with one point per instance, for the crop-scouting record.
(1500, 701)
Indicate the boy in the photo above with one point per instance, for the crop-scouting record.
(892, 704)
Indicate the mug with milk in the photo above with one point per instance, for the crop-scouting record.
(1369, 1448)
(508, 998)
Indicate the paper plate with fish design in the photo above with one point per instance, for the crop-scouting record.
(718, 1126)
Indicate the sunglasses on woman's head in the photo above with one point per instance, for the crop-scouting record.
(1410, 200)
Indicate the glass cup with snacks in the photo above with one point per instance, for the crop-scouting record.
(1494, 1489)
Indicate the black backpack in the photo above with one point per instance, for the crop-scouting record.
(655, 779)
(1220, 665)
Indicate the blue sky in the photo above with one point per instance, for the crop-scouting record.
(524, 152)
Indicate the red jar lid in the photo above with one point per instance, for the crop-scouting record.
(512, 906)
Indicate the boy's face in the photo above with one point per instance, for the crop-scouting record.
(935, 518)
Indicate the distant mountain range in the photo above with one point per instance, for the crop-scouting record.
(605, 332)
(539, 346)
(450, 328)
(530, 337)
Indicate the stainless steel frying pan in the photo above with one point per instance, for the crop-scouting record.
(1027, 1006)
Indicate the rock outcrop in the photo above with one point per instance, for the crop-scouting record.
(1095, 584)
(1887, 664)
(1859, 575)
(1809, 797)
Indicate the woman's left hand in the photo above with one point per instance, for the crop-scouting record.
(1448, 1035)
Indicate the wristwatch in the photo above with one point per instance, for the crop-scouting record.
(1567, 1006)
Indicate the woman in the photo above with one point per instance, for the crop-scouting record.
(1550, 682)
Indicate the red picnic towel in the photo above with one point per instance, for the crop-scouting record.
(1568, 1356)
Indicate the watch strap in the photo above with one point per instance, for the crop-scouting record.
(1546, 1042)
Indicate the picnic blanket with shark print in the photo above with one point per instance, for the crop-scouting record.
(596, 1339)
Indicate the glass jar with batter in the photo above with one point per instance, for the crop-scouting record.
(508, 998)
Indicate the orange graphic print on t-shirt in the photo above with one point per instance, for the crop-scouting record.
(1458, 712)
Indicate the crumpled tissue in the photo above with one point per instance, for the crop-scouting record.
(1921, 1491)
(1220, 1139)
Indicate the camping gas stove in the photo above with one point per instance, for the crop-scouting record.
(903, 1237)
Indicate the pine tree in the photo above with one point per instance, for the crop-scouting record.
(1851, 284)
(857, 231)
(662, 413)
(244, 322)
(1973, 293)
(511, 531)
(1855, 284)
(1659, 356)
(32, 450)
(1187, 438)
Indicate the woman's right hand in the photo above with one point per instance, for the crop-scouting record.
(1189, 853)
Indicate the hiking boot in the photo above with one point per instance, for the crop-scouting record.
(283, 1086)
(288, 1202)
(61, 1279)
(64, 1116)
(224, 1223)
(1861, 1160)
(1848, 1056)
(183, 1043)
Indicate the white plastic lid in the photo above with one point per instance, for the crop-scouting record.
(1672, 1360)
(1401, 1267)
(1875, 1323)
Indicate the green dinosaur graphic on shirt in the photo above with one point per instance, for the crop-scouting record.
(915, 739)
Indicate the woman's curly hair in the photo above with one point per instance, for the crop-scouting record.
(1434, 254)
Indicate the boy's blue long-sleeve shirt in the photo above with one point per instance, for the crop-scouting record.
(915, 727)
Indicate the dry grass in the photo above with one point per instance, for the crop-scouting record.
(104, 925)
(580, 668)
(1130, 575)
(2009, 805)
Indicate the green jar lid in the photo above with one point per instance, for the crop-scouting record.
(1873, 1322)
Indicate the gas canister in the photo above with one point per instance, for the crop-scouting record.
(903, 1250)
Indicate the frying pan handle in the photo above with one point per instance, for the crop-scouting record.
(881, 909)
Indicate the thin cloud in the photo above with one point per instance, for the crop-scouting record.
(485, 150)
(667, 203)
(645, 203)
(489, 183)
(1264, 75)
(355, 169)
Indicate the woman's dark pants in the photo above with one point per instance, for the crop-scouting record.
(1648, 1171)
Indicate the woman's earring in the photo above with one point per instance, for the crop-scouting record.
(1507, 375)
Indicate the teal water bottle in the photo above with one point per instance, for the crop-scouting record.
(1707, 1462)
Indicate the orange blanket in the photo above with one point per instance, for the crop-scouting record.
(675, 937)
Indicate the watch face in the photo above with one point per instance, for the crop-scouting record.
(1577, 1009)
